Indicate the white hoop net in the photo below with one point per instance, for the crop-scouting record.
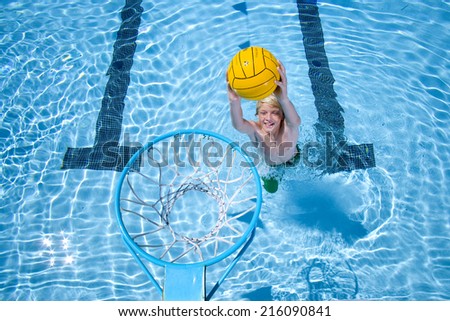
(192, 199)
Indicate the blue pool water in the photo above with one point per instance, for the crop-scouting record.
(381, 233)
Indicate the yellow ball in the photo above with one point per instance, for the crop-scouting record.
(252, 73)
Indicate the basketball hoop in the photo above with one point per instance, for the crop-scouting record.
(185, 201)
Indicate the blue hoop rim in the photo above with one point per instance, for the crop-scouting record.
(252, 225)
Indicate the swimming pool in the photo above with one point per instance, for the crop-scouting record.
(375, 234)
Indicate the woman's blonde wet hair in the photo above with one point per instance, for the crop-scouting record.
(270, 100)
